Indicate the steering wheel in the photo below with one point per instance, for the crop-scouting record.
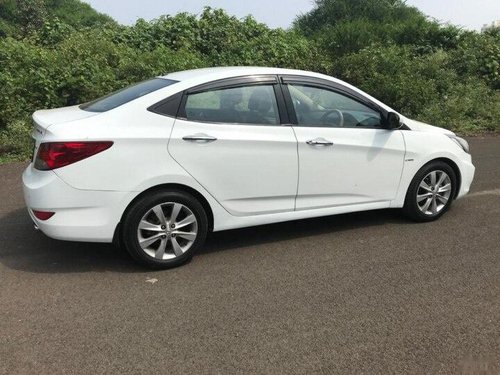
(328, 113)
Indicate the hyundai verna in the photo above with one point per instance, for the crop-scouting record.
(158, 165)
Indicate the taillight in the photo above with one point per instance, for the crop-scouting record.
(52, 155)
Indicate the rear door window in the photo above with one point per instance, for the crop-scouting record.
(237, 105)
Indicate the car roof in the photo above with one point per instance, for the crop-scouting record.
(234, 71)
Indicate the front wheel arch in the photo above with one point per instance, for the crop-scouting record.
(455, 168)
(411, 207)
(452, 165)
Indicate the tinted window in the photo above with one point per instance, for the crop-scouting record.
(321, 107)
(240, 105)
(126, 95)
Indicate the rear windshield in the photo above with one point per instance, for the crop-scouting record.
(126, 95)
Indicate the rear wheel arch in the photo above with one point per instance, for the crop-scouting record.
(166, 187)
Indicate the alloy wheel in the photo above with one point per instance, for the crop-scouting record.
(433, 193)
(167, 230)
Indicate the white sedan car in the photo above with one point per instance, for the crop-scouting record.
(158, 165)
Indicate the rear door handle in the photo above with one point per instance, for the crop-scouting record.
(319, 142)
(200, 137)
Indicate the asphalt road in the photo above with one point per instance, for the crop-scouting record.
(360, 293)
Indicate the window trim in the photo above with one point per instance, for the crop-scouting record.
(330, 86)
(237, 82)
(286, 110)
(176, 100)
(232, 82)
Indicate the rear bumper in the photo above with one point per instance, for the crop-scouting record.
(80, 215)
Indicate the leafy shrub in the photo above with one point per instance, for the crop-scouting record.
(479, 55)
(56, 53)
(468, 107)
(15, 141)
(424, 87)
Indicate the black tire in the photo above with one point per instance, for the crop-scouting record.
(135, 213)
(411, 208)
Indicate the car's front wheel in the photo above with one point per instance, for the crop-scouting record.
(431, 192)
(164, 229)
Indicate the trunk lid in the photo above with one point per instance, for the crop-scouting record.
(43, 119)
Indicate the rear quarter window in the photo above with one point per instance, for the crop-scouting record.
(126, 95)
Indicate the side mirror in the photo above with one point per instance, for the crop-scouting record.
(393, 121)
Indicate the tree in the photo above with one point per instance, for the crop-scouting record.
(346, 26)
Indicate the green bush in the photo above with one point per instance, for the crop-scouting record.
(479, 55)
(468, 107)
(16, 142)
(424, 87)
(56, 53)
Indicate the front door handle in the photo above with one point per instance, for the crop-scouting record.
(319, 142)
(199, 137)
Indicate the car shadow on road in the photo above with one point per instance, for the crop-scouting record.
(23, 248)
(228, 240)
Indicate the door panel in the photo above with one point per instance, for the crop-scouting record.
(360, 166)
(232, 143)
(346, 157)
(248, 169)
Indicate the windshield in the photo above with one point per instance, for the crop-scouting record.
(126, 95)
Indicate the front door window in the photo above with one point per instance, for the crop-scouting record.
(319, 107)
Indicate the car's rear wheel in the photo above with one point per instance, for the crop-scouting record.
(431, 192)
(164, 229)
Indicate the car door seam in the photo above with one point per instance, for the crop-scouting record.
(298, 169)
(402, 168)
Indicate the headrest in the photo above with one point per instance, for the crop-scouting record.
(230, 98)
(260, 100)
